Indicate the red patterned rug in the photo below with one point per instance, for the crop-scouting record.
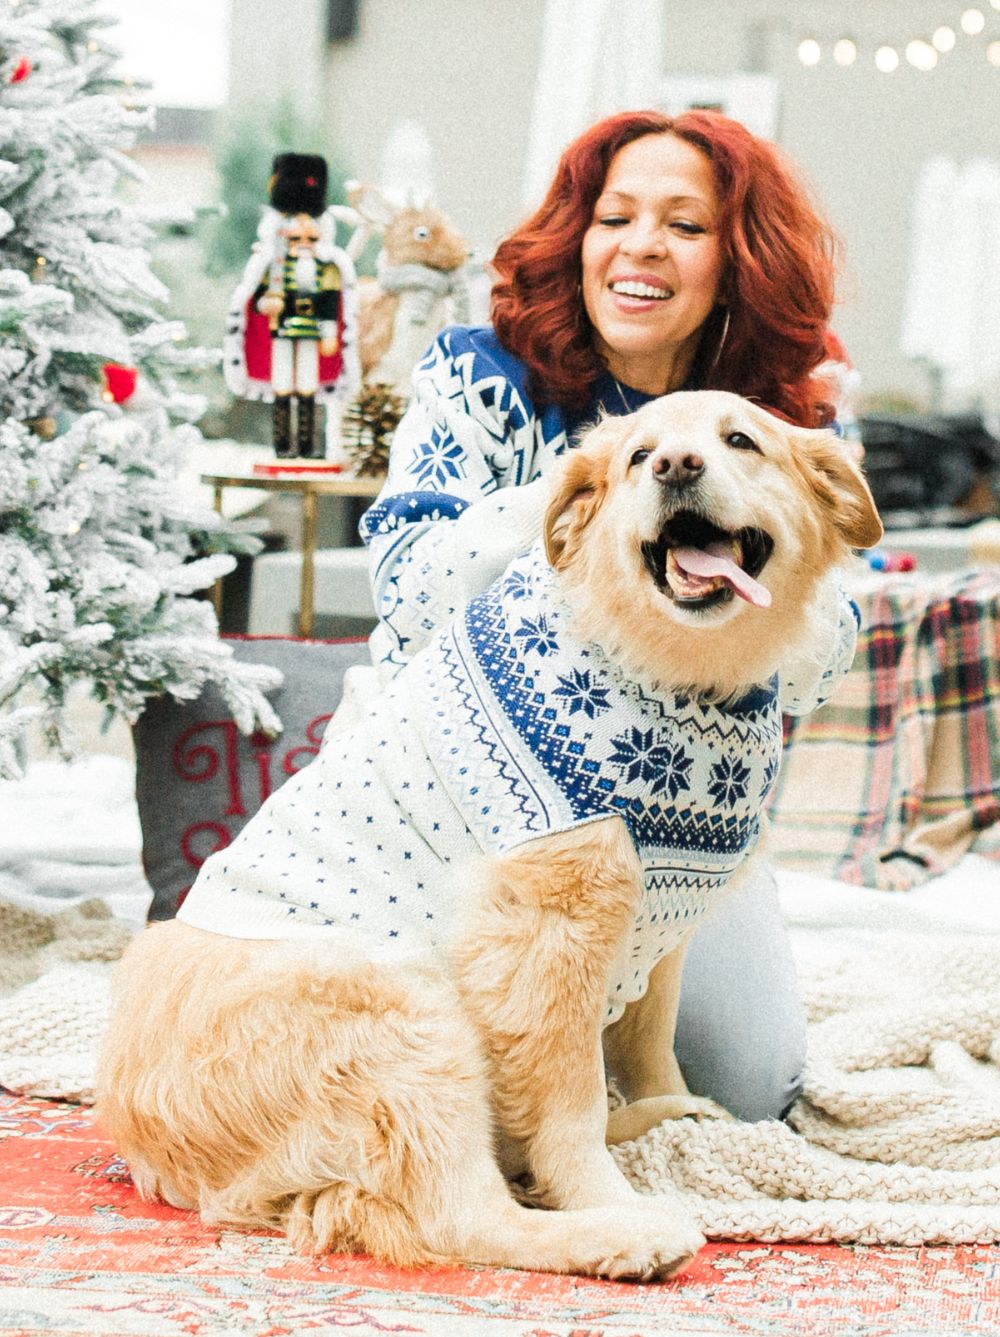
(80, 1254)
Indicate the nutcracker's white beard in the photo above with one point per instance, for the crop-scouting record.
(305, 273)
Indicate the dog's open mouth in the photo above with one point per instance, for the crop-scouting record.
(699, 565)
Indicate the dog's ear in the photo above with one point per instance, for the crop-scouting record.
(578, 490)
(840, 486)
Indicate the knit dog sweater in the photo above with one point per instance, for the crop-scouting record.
(504, 729)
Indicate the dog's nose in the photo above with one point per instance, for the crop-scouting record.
(678, 466)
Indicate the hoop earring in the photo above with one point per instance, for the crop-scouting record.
(722, 341)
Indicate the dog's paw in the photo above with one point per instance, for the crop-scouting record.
(628, 1122)
(525, 1191)
(650, 1243)
(698, 1107)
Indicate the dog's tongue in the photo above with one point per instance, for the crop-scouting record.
(717, 565)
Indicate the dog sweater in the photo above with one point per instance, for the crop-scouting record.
(504, 729)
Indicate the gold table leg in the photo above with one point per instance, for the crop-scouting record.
(217, 587)
(307, 590)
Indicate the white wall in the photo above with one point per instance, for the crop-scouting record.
(465, 69)
(860, 136)
(276, 50)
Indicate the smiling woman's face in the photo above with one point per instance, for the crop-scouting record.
(652, 261)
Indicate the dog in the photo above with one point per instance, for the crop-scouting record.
(400, 986)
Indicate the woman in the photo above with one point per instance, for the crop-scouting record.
(669, 253)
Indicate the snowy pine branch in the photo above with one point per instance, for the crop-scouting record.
(101, 554)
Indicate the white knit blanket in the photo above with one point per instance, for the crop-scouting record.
(895, 1141)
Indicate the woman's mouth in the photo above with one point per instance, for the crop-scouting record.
(652, 292)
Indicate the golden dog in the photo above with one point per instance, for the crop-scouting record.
(321, 1086)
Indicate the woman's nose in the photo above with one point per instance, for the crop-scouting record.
(646, 237)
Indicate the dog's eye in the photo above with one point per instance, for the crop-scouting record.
(638, 456)
(740, 441)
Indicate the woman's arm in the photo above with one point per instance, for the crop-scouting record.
(814, 671)
(457, 506)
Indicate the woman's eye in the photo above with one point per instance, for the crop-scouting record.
(740, 441)
(613, 220)
(638, 456)
(689, 229)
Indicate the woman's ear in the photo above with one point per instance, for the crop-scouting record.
(840, 487)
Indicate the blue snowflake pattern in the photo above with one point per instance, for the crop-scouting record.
(438, 461)
(537, 635)
(662, 767)
(729, 781)
(582, 694)
(517, 585)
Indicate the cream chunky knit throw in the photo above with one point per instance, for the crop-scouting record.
(55, 972)
(895, 1141)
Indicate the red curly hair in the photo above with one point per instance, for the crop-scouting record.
(778, 275)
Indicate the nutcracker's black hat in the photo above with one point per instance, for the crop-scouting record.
(298, 184)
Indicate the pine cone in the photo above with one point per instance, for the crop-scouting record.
(369, 422)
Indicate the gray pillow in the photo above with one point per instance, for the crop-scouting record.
(199, 780)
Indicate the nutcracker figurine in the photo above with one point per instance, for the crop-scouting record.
(290, 339)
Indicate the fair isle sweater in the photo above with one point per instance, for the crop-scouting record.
(465, 495)
(504, 729)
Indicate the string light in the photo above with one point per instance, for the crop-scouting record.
(921, 54)
(887, 59)
(93, 46)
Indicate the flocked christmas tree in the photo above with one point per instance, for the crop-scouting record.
(100, 550)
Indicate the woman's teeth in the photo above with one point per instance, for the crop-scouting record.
(630, 289)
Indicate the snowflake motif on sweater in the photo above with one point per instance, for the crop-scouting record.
(534, 732)
(471, 435)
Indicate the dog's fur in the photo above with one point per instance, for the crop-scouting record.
(354, 1103)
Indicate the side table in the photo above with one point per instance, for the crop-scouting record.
(309, 487)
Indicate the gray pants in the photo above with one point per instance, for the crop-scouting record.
(741, 1030)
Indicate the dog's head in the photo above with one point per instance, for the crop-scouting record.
(691, 535)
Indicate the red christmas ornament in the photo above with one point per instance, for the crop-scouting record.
(21, 70)
(119, 382)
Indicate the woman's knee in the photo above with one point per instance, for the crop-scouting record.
(741, 1030)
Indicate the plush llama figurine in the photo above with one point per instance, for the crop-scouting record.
(420, 285)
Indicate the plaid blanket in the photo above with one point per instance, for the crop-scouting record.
(898, 776)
